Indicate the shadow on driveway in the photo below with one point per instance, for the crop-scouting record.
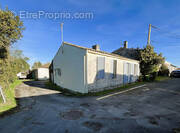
(142, 110)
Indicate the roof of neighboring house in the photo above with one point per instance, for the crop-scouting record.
(101, 52)
(127, 52)
(166, 62)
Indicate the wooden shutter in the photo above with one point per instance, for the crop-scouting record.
(114, 68)
(100, 67)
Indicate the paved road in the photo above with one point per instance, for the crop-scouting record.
(153, 108)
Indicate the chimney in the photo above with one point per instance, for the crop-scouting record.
(125, 44)
(96, 47)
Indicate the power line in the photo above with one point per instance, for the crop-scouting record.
(154, 41)
(167, 33)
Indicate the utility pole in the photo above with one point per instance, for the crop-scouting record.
(62, 32)
(149, 35)
(62, 38)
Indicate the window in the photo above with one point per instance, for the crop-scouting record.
(113, 69)
(100, 67)
(58, 71)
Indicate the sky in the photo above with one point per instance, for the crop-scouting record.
(110, 23)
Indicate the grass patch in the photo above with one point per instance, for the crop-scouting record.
(67, 92)
(10, 97)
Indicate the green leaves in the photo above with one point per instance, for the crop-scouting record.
(150, 61)
(36, 65)
(10, 29)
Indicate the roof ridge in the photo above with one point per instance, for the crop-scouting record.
(98, 51)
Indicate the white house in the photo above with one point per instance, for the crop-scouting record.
(170, 66)
(41, 73)
(86, 70)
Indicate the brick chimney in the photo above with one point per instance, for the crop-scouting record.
(96, 47)
(125, 44)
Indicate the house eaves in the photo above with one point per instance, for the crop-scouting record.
(90, 50)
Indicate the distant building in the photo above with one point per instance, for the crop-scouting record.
(41, 73)
(170, 66)
(22, 75)
(86, 70)
(133, 54)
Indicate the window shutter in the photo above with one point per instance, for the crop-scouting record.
(114, 68)
(100, 67)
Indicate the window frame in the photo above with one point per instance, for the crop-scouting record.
(58, 72)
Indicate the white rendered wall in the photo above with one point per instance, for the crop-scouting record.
(94, 84)
(43, 73)
(70, 60)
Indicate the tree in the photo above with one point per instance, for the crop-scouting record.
(36, 65)
(164, 71)
(10, 30)
(19, 61)
(150, 61)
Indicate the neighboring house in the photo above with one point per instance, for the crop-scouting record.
(41, 73)
(86, 70)
(133, 54)
(22, 75)
(170, 66)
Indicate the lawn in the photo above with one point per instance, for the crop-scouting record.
(10, 97)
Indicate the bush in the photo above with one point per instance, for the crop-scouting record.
(153, 76)
(164, 71)
(150, 77)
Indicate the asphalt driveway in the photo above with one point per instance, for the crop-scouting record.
(152, 108)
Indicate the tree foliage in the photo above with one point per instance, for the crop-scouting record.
(12, 65)
(11, 28)
(36, 65)
(164, 71)
(150, 61)
(20, 61)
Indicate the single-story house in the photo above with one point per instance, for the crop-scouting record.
(41, 73)
(170, 66)
(86, 70)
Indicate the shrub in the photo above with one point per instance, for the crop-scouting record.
(164, 71)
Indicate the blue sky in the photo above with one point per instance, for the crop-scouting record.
(113, 22)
